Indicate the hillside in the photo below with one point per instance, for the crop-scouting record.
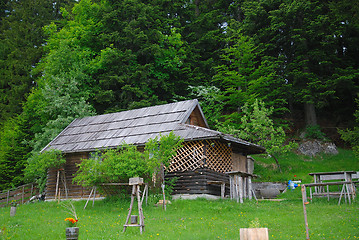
(297, 167)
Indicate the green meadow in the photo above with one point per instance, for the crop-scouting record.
(186, 219)
(203, 219)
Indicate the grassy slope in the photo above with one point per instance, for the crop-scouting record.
(300, 165)
(202, 219)
(186, 219)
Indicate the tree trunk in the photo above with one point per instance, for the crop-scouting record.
(197, 7)
(310, 114)
(276, 160)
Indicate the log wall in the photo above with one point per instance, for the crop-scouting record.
(197, 182)
(70, 168)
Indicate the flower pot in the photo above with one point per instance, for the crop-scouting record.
(72, 233)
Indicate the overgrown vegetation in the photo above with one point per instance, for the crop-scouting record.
(352, 135)
(61, 60)
(314, 132)
(256, 126)
(118, 165)
(38, 165)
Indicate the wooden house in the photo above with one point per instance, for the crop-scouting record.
(205, 157)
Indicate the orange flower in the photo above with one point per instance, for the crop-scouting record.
(72, 220)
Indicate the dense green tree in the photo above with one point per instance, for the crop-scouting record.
(245, 75)
(303, 36)
(257, 127)
(202, 26)
(14, 151)
(21, 48)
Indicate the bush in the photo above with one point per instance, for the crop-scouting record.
(40, 163)
(314, 132)
(118, 165)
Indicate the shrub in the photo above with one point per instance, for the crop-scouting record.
(314, 132)
(40, 163)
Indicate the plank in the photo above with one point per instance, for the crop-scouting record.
(253, 234)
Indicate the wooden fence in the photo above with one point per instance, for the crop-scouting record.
(18, 195)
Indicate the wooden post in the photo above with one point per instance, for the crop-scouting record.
(240, 189)
(341, 194)
(7, 198)
(139, 206)
(236, 191)
(346, 186)
(146, 193)
(57, 183)
(89, 197)
(94, 196)
(12, 211)
(223, 189)
(64, 182)
(253, 234)
(254, 195)
(304, 196)
(32, 189)
(164, 196)
(244, 179)
(130, 209)
(23, 193)
(249, 188)
(231, 187)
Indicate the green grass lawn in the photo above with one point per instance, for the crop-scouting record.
(186, 219)
(204, 219)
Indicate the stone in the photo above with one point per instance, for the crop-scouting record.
(269, 192)
(314, 147)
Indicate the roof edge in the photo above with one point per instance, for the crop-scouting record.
(189, 111)
(49, 144)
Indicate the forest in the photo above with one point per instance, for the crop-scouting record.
(61, 60)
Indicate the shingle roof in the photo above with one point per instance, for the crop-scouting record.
(136, 127)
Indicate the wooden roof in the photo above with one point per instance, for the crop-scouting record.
(137, 126)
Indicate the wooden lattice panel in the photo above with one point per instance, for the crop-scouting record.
(197, 154)
(219, 156)
(189, 157)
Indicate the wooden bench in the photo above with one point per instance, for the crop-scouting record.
(346, 190)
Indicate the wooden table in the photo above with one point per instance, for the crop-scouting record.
(322, 179)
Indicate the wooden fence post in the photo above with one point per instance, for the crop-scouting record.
(253, 234)
(23, 193)
(304, 198)
(8, 195)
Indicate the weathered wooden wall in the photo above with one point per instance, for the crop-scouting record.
(239, 162)
(70, 168)
(197, 182)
